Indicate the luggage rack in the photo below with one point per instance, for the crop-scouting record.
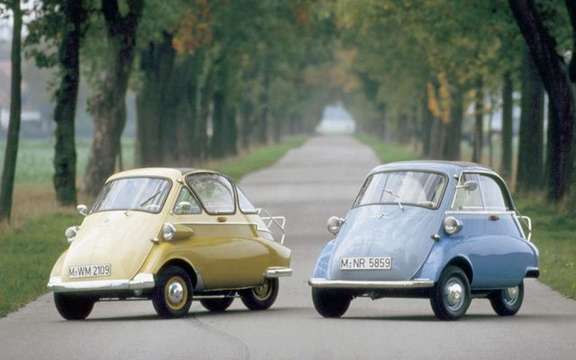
(278, 221)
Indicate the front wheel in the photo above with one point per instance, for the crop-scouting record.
(217, 305)
(451, 296)
(261, 297)
(330, 303)
(73, 307)
(172, 295)
(507, 302)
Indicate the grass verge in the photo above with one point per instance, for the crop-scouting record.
(26, 257)
(554, 231)
(28, 251)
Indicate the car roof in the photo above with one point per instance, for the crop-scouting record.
(446, 167)
(171, 173)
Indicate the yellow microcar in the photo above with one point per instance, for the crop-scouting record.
(172, 236)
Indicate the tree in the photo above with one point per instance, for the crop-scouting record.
(530, 172)
(10, 157)
(507, 122)
(107, 104)
(478, 123)
(554, 74)
(75, 16)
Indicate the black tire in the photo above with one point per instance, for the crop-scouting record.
(172, 295)
(331, 303)
(73, 307)
(507, 302)
(217, 305)
(261, 297)
(451, 296)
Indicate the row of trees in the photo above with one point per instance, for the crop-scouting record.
(422, 65)
(210, 78)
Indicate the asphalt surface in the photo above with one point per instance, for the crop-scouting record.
(308, 185)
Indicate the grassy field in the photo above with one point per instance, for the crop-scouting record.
(31, 245)
(34, 165)
(554, 231)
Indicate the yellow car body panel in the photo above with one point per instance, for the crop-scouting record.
(226, 251)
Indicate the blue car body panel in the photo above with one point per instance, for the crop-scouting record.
(492, 245)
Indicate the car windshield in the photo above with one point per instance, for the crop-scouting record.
(416, 188)
(136, 193)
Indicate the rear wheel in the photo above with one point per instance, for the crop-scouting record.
(330, 303)
(261, 297)
(451, 296)
(217, 305)
(172, 295)
(507, 302)
(73, 307)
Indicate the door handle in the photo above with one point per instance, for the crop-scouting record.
(221, 219)
(494, 217)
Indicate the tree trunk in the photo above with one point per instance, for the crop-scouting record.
(66, 97)
(554, 74)
(156, 65)
(108, 104)
(507, 123)
(491, 131)
(427, 123)
(531, 143)
(262, 128)
(453, 136)
(206, 95)
(478, 124)
(9, 168)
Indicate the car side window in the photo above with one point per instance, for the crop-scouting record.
(245, 204)
(186, 204)
(468, 199)
(214, 191)
(494, 199)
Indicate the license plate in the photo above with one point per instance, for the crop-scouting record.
(366, 263)
(82, 271)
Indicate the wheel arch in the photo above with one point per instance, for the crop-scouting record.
(464, 264)
(187, 266)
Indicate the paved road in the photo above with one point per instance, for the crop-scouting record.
(308, 185)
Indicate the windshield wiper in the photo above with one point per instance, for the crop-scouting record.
(145, 202)
(388, 191)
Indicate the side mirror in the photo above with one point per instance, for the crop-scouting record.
(469, 186)
(82, 209)
(334, 224)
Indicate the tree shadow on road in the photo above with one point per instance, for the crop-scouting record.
(199, 314)
(544, 318)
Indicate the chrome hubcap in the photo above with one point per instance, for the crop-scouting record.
(263, 291)
(511, 295)
(454, 294)
(175, 293)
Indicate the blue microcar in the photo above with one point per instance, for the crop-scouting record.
(448, 231)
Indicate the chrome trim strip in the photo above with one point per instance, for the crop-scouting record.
(276, 272)
(480, 212)
(347, 284)
(139, 282)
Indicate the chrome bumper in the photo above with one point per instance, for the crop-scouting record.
(347, 284)
(139, 282)
(276, 272)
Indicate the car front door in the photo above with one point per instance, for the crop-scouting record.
(490, 237)
(225, 247)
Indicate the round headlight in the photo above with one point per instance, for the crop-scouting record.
(71, 233)
(168, 231)
(452, 225)
(334, 224)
